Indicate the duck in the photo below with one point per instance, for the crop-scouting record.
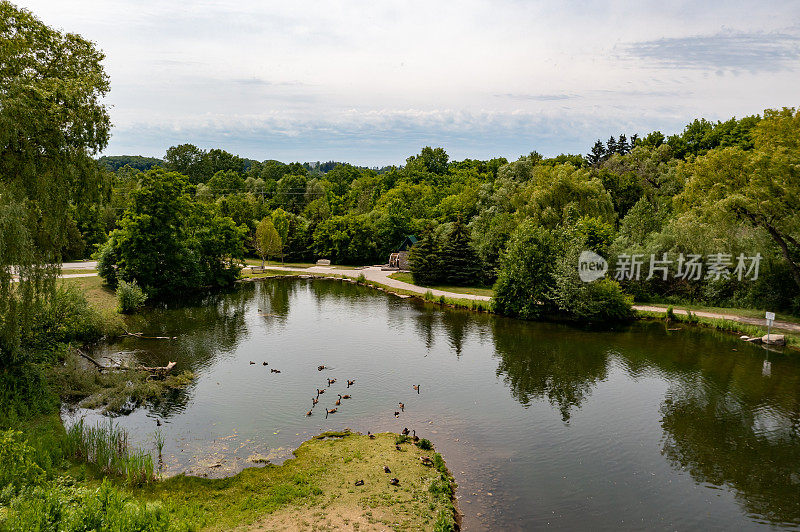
(414, 437)
(345, 396)
(386, 469)
(394, 482)
(359, 482)
(405, 431)
(308, 413)
(416, 387)
(402, 407)
(397, 414)
(331, 381)
(350, 382)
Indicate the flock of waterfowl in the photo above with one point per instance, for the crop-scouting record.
(340, 397)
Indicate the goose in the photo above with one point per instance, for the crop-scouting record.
(386, 469)
(359, 482)
(414, 437)
(252, 363)
(320, 368)
(398, 447)
(273, 370)
(394, 482)
(416, 387)
(314, 401)
(350, 383)
(331, 381)
(346, 396)
(402, 407)
(331, 411)
(405, 431)
(338, 402)
(371, 435)
(308, 413)
(158, 422)
(426, 460)
(265, 363)
(397, 414)
(320, 392)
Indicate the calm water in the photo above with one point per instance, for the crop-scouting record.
(543, 425)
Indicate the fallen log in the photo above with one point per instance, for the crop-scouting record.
(141, 335)
(156, 371)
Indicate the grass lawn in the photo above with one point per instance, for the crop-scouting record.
(257, 262)
(98, 295)
(68, 271)
(475, 291)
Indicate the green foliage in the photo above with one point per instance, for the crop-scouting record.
(130, 297)
(427, 265)
(460, 265)
(346, 240)
(18, 466)
(425, 444)
(170, 245)
(51, 122)
(525, 285)
(115, 162)
(268, 241)
(35, 502)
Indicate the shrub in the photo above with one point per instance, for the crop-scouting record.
(424, 444)
(17, 465)
(129, 297)
(66, 317)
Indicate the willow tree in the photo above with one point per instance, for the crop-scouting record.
(52, 123)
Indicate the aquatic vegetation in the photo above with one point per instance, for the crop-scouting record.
(107, 448)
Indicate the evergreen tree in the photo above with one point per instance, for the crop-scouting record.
(597, 154)
(611, 146)
(426, 260)
(460, 263)
(622, 145)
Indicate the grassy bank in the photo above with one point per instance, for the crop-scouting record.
(471, 290)
(720, 324)
(87, 479)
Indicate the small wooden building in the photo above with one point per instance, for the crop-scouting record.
(399, 259)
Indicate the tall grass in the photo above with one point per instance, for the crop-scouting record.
(107, 448)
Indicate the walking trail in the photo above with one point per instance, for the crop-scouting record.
(376, 274)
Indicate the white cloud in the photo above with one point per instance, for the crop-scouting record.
(391, 76)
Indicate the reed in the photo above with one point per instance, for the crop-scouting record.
(107, 448)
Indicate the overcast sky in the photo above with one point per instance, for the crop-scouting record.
(372, 82)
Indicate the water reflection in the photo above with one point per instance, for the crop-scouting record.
(721, 419)
(554, 368)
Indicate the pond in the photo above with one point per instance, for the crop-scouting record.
(543, 425)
